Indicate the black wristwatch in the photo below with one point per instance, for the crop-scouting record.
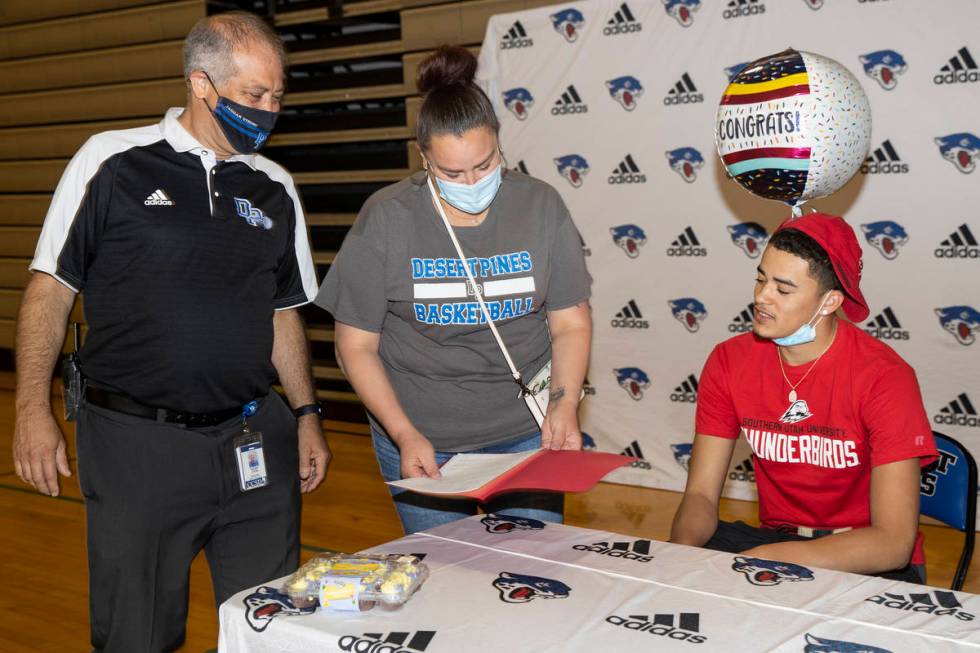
(307, 409)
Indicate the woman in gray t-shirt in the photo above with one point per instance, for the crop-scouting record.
(411, 337)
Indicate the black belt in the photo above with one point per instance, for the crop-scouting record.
(123, 404)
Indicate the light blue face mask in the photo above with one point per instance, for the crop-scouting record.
(806, 333)
(472, 199)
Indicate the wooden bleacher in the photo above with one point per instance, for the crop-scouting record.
(71, 69)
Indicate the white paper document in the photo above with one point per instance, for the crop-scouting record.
(465, 472)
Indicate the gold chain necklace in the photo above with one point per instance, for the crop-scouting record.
(793, 387)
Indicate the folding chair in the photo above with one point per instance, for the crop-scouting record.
(948, 492)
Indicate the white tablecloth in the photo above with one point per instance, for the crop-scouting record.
(561, 588)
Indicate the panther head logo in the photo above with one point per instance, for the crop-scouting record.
(770, 572)
(689, 312)
(685, 161)
(625, 90)
(572, 167)
(682, 454)
(961, 149)
(519, 588)
(962, 321)
(568, 22)
(588, 442)
(499, 523)
(816, 644)
(633, 380)
(884, 66)
(886, 236)
(266, 603)
(797, 412)
(629, 237)
(682, 10)
(750, 237)
(518, 100)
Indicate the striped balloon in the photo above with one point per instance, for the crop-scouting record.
(793, 126)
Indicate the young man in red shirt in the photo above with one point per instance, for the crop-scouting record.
(833, 416)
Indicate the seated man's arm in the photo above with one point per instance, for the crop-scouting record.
(885, 545)
(697, 516)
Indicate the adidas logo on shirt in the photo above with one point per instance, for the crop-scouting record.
(685, 626)
(516, 37)
(569, 102)
(686, 392)
(937, 602)
(638, 551)
(395, 642)
(742, 322)
(686, 244)
(885, 326)
(158, 198)
(630, 318)
(633, 449)
(884, 160)
(622, 22)
(961, 69)
(739, 8)
(960, 244)
(959, 412)
(627, 172)
(683, 92)
(744, 471)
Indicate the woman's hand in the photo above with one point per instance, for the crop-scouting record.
(418, 457)
(560, 429)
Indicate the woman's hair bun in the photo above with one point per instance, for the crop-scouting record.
(448, 66)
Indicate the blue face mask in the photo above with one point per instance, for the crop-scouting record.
(472, 199)
(806, 333)
(246, 128)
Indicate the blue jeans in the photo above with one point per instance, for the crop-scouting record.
(419, 512)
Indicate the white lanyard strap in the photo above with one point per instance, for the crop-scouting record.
(476, 289)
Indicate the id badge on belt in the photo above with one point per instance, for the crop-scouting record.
(252, 473)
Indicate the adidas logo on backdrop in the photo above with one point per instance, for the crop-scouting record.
(158, 198)
(739, 8)
(686, 244)
(884, 160)
(686, 392)
(516, 37)
(742, 323)
(633, 449)
(630, 318)
(638, 550)
(937, 602)
(961, 69)
(960, 244)
(683, 92)
(744, 471)
(622, 22)
(395, 642)
(685, 626)
(627, 172)
(885, 326)
(569, 102)
(959, 412)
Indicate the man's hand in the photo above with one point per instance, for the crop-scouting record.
(314, 454)
(418, 457)
(560, 429)
(40, 452)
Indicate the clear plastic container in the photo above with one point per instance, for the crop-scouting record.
(353, 583)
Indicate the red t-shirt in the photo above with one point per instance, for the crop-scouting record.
(858, 408)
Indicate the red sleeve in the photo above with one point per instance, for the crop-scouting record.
(716, 411)
(895, 419)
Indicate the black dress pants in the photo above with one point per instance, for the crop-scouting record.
(155, 495)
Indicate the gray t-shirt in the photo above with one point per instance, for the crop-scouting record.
(398, 274)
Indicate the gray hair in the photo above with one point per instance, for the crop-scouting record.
(212, 40)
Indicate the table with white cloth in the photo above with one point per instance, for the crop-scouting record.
(502, 584)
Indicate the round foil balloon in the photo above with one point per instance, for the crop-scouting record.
(793, 126)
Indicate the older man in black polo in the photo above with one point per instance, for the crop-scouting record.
(192, 255)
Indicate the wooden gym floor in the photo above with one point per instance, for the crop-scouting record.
(42, 540)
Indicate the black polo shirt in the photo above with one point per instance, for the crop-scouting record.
(181, 260)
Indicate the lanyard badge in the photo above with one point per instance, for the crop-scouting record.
(252, 472)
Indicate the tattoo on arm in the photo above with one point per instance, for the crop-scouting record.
(556, 394)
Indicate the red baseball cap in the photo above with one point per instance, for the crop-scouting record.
(837, 238)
